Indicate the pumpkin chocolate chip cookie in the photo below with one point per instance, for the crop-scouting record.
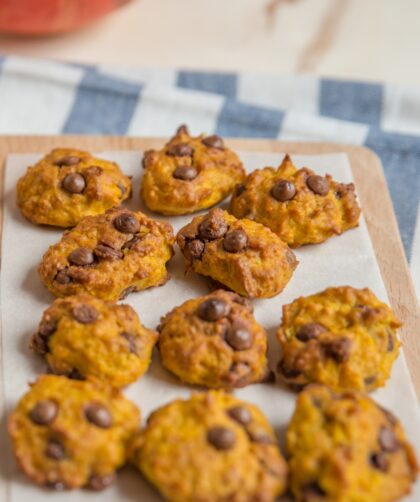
(82, 337)
(109, 256)
(296, 204)
(189, 174)
(214, 341)
(242, 255)
(211, 447)
(346, 448)
(68, 433)
(67, 185)
(342, 337)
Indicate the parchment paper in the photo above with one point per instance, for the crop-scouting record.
(347, 259)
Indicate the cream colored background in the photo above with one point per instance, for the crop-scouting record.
(365, 39)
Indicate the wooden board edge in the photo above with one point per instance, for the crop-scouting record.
(368, 173)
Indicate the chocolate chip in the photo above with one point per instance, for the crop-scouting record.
(58, 486)
(221, 438)
(235, 241)
(370, 380)
(98, 415)
(47, 327)
(132, 242)
(39, 344)
(68, 160)
(94, 171)
(240, 414)
(98, 483)
(379, 461)
(318, 184)
(44, 412)
(127, 223)
(182, 129)
(339, 350)
(283, 190)
(388, 440)
(55, 450)
(391, 344)
(288, 371)
(213, 309)
(212, 227)
(179, 150)
(239, 337)
(309, 331)
(214, 141)
(131, 341)
(74, 183)
(260, 436)
(312, 491)
(62, 277)
(81, 257)
(194, 249)
(245, 302)
(185, 173)
(104, 252)
(85, 314)
(240, 189)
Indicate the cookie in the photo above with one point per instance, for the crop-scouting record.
(298, 205)
(214, 341)
(211, 447)
(342, 337)
(189, 174)
(83, 337)
(242, 255)
(109, 256)
(67, 185)
(345, 448)
(68, 433)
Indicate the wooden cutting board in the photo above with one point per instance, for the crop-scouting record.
(371, 188)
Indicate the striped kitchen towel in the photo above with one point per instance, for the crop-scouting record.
(46, 97)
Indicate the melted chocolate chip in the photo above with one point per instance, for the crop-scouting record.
(62, 277)
(221, 438)
(68, 160)
(388, 440)
(379, 461)
(55, 450)
(127, 223)
(260, 436)
(185, 173)
(318, 184)
(98, 415)
(47, 327)
(39, 344)
(240, 189)
(212, 227)
(214, 141)
(213, 309)
(194, 249)
(235, 241)
(283, 190)
(339, 350)
(85, 314)
(104, 252)
(391, 343)
(131, 341)
(74, 183)
(287, 370)
(309, 331)
(99, 483)
(44, 412)
(240, 414)
(239, 337)
(81, 257)
(370, 380)
(179, 150)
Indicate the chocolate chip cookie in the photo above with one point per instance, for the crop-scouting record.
(211, 447)
(189, 174)
(109, 256)
(68, 433)
(342, 337)
(214, 341)
(67, 185)
(242, 255)
(298, 205)
(344, 447)
(83, 337)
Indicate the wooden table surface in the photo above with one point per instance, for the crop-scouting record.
(362, 39)
(376, 205)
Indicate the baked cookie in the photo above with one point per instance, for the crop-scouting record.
(67, 185)
(242, 255)
(109, 256)
(346, 448)
(214, 341)
(189, 174)
(296, 204)
(211, 447)
(84, 337)
(68, 433)
(342, 337)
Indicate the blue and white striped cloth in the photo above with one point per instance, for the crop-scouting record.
(46, 97)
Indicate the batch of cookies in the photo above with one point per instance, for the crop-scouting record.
(74, 428)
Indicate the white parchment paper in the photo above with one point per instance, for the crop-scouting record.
(348, 259)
